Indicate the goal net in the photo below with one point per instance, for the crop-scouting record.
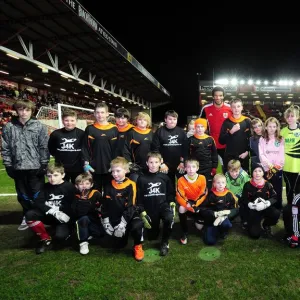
(52, 117)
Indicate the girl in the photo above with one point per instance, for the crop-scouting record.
(271, 155)
(291, 168)
(257, 130)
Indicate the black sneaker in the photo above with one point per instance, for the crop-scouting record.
(164, 249)
(43, 246)
(267, 231)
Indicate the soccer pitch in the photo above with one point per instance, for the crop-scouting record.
(242, 268)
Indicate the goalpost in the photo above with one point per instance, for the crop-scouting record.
(52, 117)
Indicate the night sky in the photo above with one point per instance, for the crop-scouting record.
(174, 51)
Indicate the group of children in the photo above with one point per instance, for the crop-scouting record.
(133, 177)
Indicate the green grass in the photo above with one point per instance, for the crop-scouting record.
(246, 269)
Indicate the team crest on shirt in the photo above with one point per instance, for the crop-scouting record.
(225, 115)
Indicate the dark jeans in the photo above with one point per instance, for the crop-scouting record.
(88, 226)
(212, 233)
(28, 186)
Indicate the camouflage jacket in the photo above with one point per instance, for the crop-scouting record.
(25, 147)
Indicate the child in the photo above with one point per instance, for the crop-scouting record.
(65, 145)
(235, 134)
(203, 148)
(122, 116)
(236, 177)
(25, 154)
(271, 156)
(86, 211)
(118, 209)
(53, 207)
(190, 194)
(100, 142)
(221, 204)
(257, 204)
(155, 201)
(291, 168)
(291, 222)
(191, 129)
(138, 143)
(171, 142)
(257, 130)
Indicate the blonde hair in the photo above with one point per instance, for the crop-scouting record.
(84, 177)
(55, 167)
(253, 123)
(236, 100)
(191, 161)
(278, 137)
(219, 176)
(120, 161)
(233, 165)
(292, 110)
(145, 116)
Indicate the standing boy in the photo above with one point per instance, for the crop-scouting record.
(65, 145)
(99, 146)
(25, 154)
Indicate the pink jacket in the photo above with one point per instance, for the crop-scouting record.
(271, 152)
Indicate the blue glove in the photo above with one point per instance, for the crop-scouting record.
(88, 168)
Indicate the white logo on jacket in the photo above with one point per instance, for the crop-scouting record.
(153, 189)
(54, 200)
(68, 143)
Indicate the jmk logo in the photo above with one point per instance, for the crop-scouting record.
(154, 187)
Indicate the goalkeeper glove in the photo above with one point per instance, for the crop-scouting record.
(59, 215)
(42, 170)
(222, 213)
(262, 205)
(120, 229)
(146, 220)
(173, 208)
(219, 220)
(292, 241)
(10, 172)
(88, 168)
(252, 205)
(107, 226)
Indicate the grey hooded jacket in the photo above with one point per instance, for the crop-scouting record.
(25, 147)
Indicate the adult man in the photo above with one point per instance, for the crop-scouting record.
(215, 113)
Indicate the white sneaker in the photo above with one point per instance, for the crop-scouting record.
(84, 248)
(23, 225)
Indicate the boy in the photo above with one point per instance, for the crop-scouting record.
(203, 148)
(221, 205)
(86, 211)
(257, 204)
(122, 116)
(190, 194)
(291, 222)
(100, 141)
(25, 154)
(53, 207)
(235, 134)
(236, 177)
(155, 201)
(171, 142)
(65, 145)
(118, 209)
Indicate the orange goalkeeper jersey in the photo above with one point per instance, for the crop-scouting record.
(191, 190)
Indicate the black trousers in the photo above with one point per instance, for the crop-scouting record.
(208, 177)
(28, 186)
(270, 217)
(62, 230)
(135, 227)
(166, 215)
(291, 221)
(292, 182)
(244, 162)
(203, 216)
(88, 226)
(100, 180)
(71, 176)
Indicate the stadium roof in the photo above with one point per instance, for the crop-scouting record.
(280, 92)
(70, 47)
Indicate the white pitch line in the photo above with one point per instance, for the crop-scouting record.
(5, 195)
